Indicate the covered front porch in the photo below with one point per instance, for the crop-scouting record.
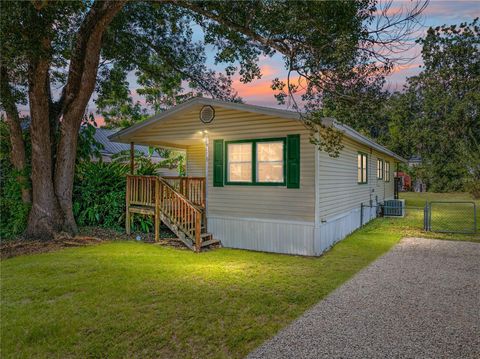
(178, 201)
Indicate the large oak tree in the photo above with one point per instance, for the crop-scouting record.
(55, 54)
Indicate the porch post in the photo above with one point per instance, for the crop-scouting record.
(132, 158)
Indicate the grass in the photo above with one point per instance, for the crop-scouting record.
(129, 299)
(444, 216)
(126, 299)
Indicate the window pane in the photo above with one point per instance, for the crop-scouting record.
(239, 162)
(270, 161)
(270, 172)
(359, 176)
(240, 172)
(270, 151)
(239, 152)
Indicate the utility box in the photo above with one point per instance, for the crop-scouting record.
(394, 208)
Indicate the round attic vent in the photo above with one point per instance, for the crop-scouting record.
(207, 114)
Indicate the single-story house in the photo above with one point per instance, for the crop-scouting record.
(267, 188)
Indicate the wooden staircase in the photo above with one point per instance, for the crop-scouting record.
(183, 213)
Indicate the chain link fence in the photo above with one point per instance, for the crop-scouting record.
(434, 216)
(451, 217)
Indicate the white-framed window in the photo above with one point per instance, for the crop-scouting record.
(362, 165)
(239, 162)
(270, 162)
(387, 171)
(380, 168)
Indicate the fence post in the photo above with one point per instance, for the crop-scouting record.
(474, 218)
(425, 217)
(361, 214)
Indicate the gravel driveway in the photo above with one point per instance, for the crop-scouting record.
(420, 300)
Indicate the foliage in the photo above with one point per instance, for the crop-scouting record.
(13, 212)
(114, 101)
(88, 147)
(79, 46)
(99, 194)
(437, 117)
(471, 159)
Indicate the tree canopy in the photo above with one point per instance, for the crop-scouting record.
(56, 54)
(438, 114)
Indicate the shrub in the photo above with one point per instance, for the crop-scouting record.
(99, 194)
(13, 212)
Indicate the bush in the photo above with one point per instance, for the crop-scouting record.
(13, 212)
(99, 194)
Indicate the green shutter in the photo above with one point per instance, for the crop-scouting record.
(293, 161)
(217, 163)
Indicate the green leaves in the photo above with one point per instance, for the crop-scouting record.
(99, 194)
(438, 115)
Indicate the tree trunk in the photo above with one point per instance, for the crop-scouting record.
(45, 217)
(77, 93)
(17, 155)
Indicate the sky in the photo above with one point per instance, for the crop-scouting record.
(258, 92)
(437, 13)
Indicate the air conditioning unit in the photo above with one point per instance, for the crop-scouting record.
(394, 208)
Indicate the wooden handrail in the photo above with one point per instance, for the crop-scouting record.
(181, 211)
(194, 188)
(157, 192)
(141, 190)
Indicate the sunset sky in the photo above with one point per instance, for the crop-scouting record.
(437, 13)
(259, 92)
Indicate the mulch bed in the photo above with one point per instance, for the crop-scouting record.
(88, 236)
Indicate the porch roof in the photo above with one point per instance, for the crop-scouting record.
(126, 135)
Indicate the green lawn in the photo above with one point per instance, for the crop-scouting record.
(445, 216)
(127, 299)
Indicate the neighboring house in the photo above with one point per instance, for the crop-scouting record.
(109, 149)
(268, 188)
(414, 161)
(419, 184)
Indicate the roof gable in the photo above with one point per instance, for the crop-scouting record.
(125, 134)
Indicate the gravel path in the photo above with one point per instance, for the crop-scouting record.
(420, 300)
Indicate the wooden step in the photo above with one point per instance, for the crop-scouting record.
(210, 242)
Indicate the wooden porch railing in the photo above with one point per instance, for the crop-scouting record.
(181, 212)
(152, 195)
(194, 188)
(141, 190)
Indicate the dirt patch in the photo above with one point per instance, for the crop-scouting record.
(88, 236)
(22, 246)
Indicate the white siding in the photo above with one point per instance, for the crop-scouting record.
(271, 218)
(267, 202)
(263, 234)
(339, 191)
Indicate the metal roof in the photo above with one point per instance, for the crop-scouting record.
(123, 135)
(111, 148)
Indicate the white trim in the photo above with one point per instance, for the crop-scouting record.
(316, 229)
(123, 135)
(207, 143)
